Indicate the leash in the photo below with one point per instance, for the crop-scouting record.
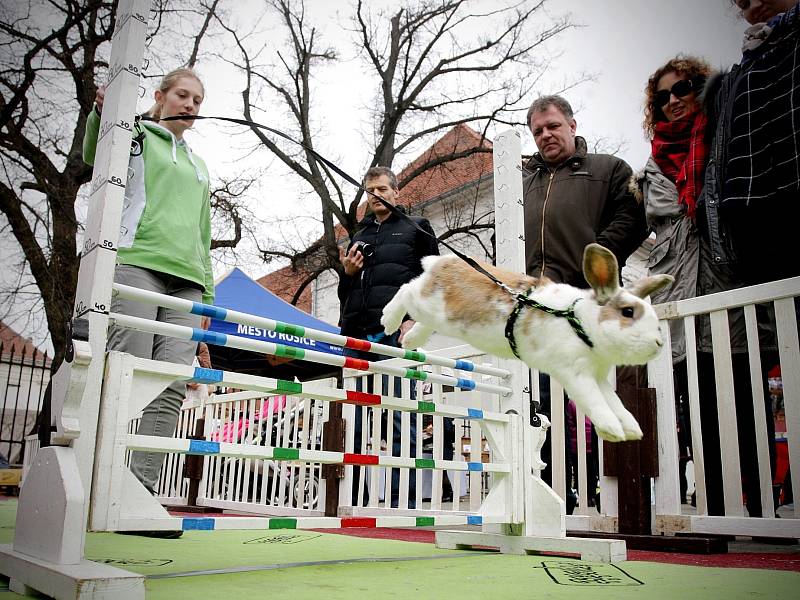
(521, 299)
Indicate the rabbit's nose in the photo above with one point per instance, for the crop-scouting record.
(659, 342)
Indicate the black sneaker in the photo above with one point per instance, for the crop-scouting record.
(164, 534)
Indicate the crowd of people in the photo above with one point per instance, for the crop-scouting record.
(719, 192)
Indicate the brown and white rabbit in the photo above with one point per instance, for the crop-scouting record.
(455, 299)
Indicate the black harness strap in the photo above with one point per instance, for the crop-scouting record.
(521, 299)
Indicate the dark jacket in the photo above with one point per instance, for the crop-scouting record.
(749, 208)
(588, 201)
(399, 248)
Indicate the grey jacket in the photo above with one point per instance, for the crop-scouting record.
(676, 250)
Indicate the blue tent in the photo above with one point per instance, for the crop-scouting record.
(236, 291)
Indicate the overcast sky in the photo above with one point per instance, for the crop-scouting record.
(621, 43)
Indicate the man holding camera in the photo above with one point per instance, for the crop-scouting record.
(383, 255)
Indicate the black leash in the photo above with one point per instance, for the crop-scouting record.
(521, 298)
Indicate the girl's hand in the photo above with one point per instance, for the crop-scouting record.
(99, 98)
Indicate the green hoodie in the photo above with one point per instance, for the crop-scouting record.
(166, 217)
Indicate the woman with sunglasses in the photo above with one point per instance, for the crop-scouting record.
(670, 184)
(673, 176)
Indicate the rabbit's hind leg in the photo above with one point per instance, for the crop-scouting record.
(417, 336)
(588, 396)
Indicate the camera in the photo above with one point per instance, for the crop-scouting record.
(365, 249)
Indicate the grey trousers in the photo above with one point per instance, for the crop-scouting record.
(161, 416)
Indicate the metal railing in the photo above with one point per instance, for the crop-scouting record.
(24, 375)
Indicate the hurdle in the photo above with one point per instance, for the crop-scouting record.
(81, 482)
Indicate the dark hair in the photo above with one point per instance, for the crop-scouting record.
(543, 102)
(691, 67)
(375, 172)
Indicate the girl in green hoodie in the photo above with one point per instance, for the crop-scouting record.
(164, 243)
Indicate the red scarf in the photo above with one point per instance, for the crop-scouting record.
(680, 151)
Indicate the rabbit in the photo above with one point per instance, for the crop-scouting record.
(452, 297)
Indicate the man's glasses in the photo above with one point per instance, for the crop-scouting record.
(682, 88)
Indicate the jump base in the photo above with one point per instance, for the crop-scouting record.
(595, 550)
(80, 581)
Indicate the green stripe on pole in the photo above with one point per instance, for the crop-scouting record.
(416, 356)
(426, 406)
(289, 387)
(283, 523)
(424, 521)
(424, 463)
(289, 351)
(290, 329)
(286, 453)
(414, 374)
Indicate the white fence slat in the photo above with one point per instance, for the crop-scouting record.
(759, 415)
(558, 437)
(405, 444)
(582, 481)
(660, 376)
(694, 417)
(789, 349)
(726, 409)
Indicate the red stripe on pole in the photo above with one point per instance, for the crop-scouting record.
(356, 363)
(360, 459)
(357, 344)
(358, 522)
(363, 399)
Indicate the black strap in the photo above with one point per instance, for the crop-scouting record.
(512, 320)
(521, 299)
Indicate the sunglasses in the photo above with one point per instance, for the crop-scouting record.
(682, 88)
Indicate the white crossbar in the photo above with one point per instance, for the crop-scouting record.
(233, 316)
(254, 451)
(195, 334)
(267, 523)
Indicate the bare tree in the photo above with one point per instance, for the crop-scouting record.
(52, 57)
(436, 64)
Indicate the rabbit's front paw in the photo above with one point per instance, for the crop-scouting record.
(390, 322)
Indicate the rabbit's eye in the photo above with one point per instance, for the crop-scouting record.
(627, 312)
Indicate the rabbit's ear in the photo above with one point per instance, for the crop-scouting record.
(601, 271)
(650, 285)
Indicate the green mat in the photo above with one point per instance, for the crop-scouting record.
(308, 564)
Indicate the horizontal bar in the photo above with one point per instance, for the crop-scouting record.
(755, 294)
(217, 339)
(301, 455)
(313, 390)
(233, 316)
(276, 523)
